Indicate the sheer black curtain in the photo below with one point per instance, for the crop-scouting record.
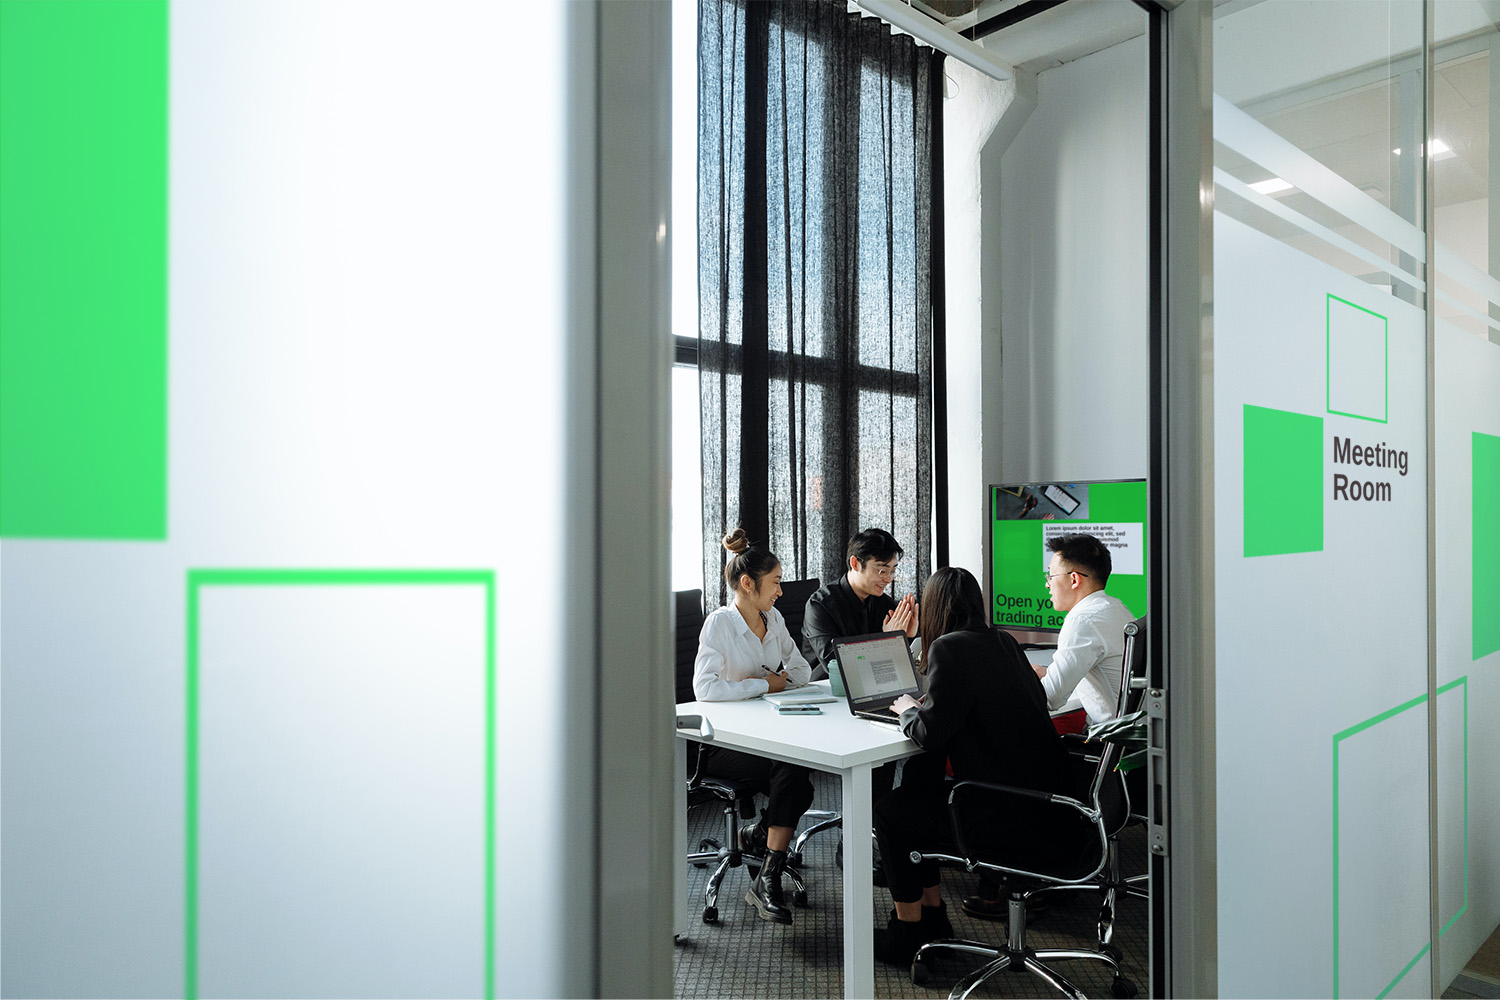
(815, 203)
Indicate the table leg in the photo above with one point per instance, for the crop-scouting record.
(859, 897)
(679, 838)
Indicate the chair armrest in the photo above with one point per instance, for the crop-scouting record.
(699, 723)
(972, 859)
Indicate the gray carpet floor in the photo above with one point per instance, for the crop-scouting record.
(743, 956)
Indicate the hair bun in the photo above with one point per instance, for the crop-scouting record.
(737, 541)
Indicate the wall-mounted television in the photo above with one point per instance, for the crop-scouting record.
(1023, 516)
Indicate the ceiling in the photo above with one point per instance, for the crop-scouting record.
(1348, 123)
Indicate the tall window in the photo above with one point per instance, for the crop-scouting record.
(814, 331)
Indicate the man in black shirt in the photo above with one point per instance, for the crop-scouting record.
(856, 603)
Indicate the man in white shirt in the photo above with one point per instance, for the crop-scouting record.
(1091, 646)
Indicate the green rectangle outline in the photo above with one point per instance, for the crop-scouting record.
(1328, 359)
(1359, 728)
(200, 578)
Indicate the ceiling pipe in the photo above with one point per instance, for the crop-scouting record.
(939, 36)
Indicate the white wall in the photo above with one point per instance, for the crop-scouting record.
(1072, 286)
(1046, 214)
(975, 106)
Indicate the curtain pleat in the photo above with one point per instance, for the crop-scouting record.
(846, 328)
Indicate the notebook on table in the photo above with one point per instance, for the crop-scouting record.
(876, 669)
(811, 694)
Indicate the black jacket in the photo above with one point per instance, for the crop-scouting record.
(985, 708)
(836, 612)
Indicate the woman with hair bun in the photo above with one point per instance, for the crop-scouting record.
(745, 651)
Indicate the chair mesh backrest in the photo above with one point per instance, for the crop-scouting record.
(687, 607)
(1134, 665)
(793, 605)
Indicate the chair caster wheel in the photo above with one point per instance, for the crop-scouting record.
(794, 859)
(711, 915)
(838, 854)
(799, 898)
(1114, 953)
(1123, 988)
(918, 972)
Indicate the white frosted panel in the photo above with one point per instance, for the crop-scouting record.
(1453, 804)
(1301, 654)
(1356, 361)
(1381, 805)
(1468, 401)
(341, 791)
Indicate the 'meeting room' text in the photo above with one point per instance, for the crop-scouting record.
(1378, 456)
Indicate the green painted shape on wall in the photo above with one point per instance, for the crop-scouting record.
(1283, 482)
(1486, 541)
(83, 269)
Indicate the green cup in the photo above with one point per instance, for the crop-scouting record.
(835, 679)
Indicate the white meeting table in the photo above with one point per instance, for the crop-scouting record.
(834, 741)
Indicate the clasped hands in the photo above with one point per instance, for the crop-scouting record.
(903, 617)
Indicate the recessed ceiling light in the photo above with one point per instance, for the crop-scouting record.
(1273, 185)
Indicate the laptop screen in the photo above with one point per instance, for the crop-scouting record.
(877, 669)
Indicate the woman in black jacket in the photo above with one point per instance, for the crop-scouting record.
(986, 711)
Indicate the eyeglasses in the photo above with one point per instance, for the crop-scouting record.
(1047, 577)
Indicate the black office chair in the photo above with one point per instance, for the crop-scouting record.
(687, 608)
(738, 799)
(1112, 883)
(1084, 823)
(793, 605)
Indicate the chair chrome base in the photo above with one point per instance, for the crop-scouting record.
(727, 855)
(1015, 951)
(1113, 887)
(824, 820)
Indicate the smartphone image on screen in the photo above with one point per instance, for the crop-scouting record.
(1062, 498)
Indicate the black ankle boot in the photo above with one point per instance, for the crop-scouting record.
(898, 941)
(934, 923)
(765, 892)
(752, 839)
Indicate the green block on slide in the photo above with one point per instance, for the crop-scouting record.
(1486, 540)
(83, 270)
(1283, 482)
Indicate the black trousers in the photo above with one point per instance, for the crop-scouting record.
(912, 817)
(788, 786)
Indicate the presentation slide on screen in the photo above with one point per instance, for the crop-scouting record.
(1023, 518)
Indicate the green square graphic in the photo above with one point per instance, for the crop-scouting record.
(1358, 359)
(83, 270)
(197, 580)
(1485, 584)
(1283, 482)
(1338, 738)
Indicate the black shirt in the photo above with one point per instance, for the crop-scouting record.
(836, 612)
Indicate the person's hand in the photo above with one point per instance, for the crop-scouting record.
(904, 702)
(903, 617)
(777, 683)
(1039, 670)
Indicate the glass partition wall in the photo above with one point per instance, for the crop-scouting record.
(1356, 461)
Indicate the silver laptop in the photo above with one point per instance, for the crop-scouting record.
(877, 669)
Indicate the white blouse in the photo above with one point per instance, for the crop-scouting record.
(732, 663)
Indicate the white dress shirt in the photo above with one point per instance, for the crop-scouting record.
(1090, 655)
(732, 663)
